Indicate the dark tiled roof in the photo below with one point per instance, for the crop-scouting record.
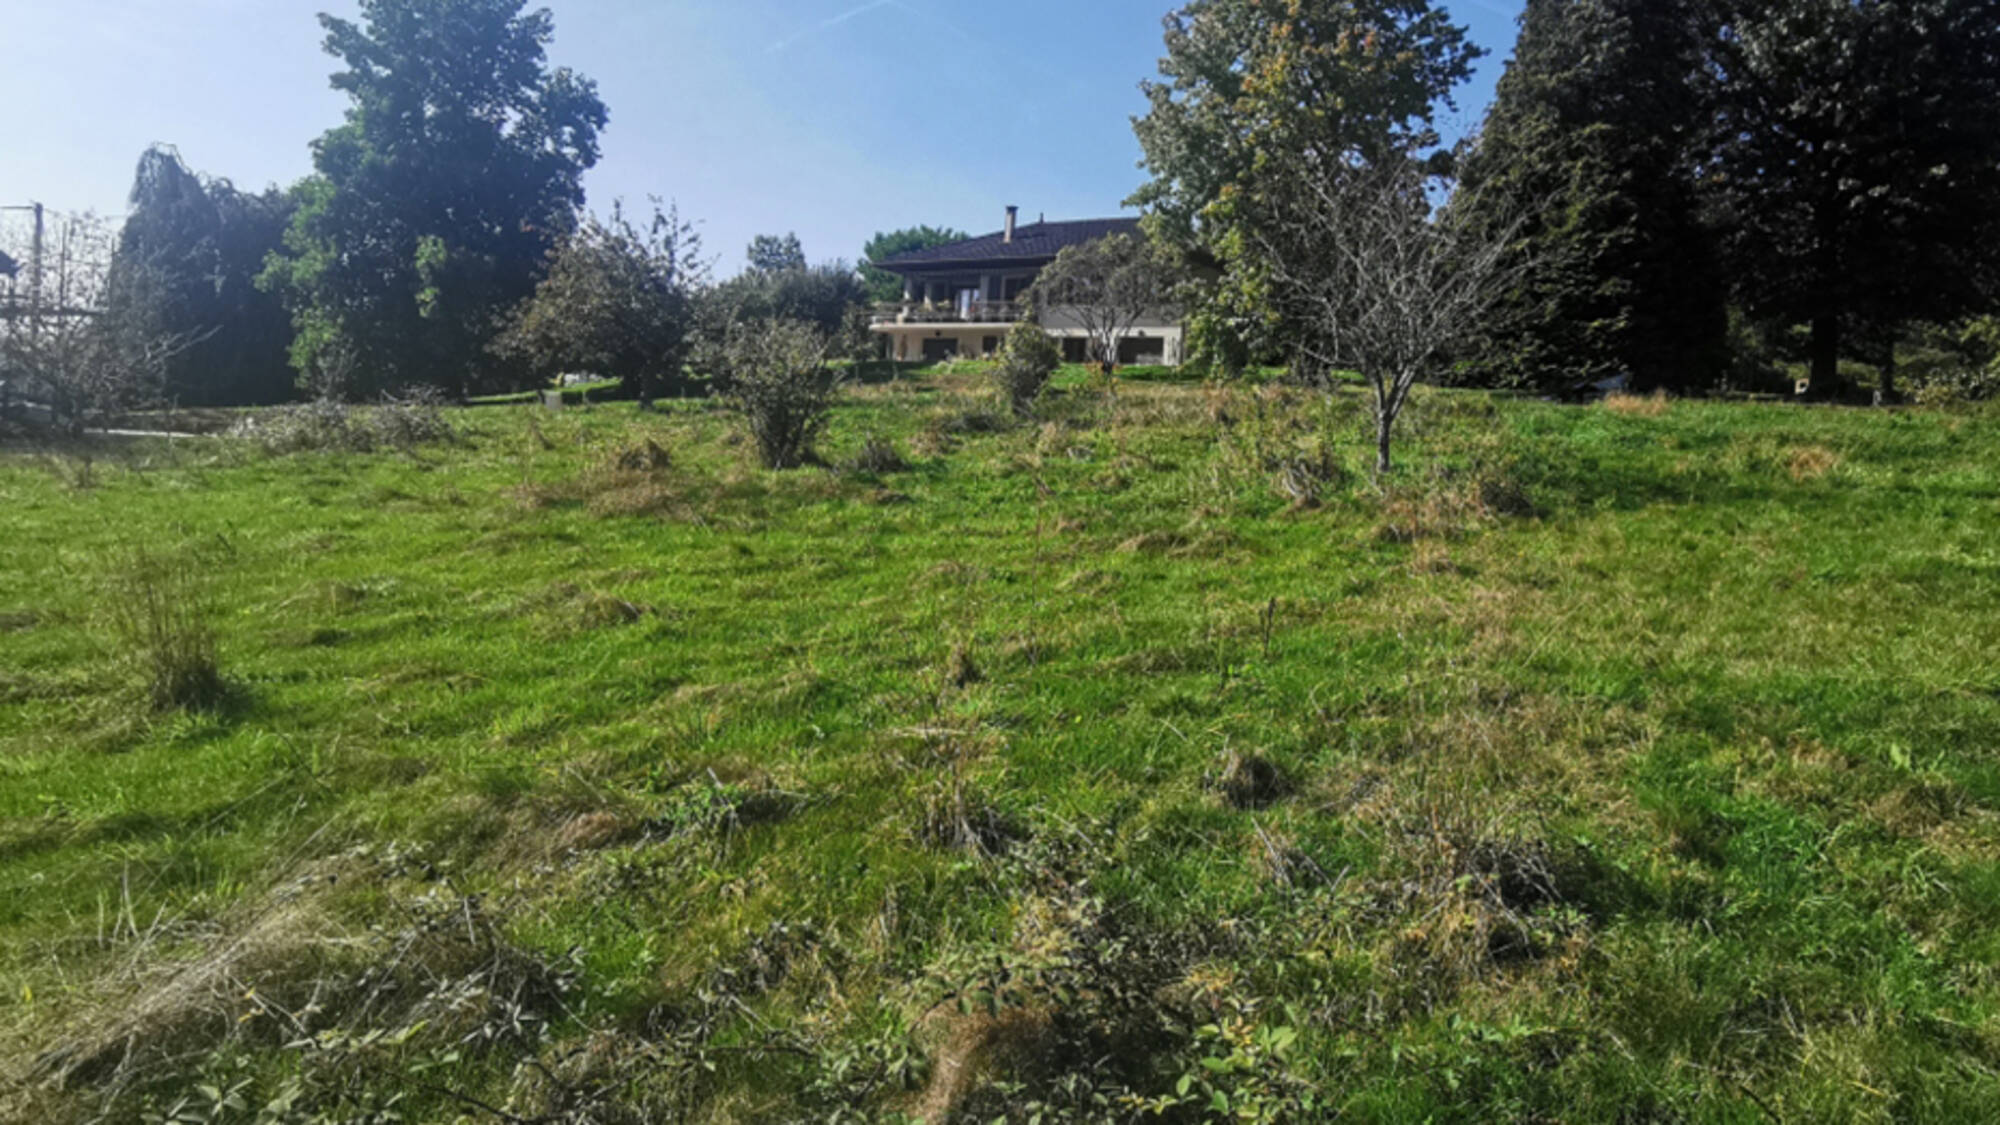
(1033, 242)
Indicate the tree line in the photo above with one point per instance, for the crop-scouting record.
(440, 241)
(1689, 193)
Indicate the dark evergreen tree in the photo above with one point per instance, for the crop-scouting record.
(459, 166)
(886, 286)
(775, 253)
(1589, 148)
(1855, 162)
(190, 252)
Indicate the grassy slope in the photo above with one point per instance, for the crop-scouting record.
(1675, 797)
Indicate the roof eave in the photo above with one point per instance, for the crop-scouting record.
(893, 266)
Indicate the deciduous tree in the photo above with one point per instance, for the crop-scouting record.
(1107, 286)
(1375, 283)
(65, 346)
(434, 205)
(619, 299)
(191, 249)
(1256, 93)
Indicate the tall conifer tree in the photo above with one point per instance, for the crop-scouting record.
(1590, 141)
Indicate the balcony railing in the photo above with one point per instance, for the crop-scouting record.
(943, 312)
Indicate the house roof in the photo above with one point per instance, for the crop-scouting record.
(1033, 242)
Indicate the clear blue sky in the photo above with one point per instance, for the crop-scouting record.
(834, 118)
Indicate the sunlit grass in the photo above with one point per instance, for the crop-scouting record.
(1622, 761)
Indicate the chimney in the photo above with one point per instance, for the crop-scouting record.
(1013, 213)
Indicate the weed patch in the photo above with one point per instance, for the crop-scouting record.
(160, 614)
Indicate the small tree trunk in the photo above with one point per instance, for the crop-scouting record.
(1825, 350)
(1384, 421)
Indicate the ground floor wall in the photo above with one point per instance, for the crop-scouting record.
(915, 343)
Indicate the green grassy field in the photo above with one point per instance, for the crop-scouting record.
(1144, 759)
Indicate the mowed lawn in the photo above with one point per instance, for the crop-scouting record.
(1634, 763)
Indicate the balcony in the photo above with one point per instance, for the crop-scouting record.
(942, 312)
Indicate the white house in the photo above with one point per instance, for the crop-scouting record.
(962, 297)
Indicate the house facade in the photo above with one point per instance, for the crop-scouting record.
(960, 299)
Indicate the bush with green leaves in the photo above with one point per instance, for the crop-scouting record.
(776, 376)
(1027, 360)
(1950, 365)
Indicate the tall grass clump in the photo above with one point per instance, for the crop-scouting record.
(778, 380)
(160, 615)
(1027, 360)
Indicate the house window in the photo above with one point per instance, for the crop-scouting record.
(1012, 288)
(940, 349)
(989, 345)
(1074, 349)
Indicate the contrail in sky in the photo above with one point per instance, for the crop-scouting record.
(835, 21)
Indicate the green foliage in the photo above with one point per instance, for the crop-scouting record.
(771, 253)
(1949, 366)
(775, 376)
(829, 296)
(433, 206)
(1027, 359)
(1587, 154)
(191, 250)
(1106, 287)
(619, 300)
(1254, 96)
(886, 286)
(1855, 161)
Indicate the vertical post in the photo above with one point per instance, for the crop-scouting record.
(35, 282)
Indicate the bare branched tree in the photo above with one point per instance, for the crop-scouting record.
(73, 342)
(1377, 281)
(1106, 288)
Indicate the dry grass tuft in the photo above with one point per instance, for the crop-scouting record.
(590, 831)
(877, 455)
(1811, 462)
(960, 670)
(1638, 406)
(973, 1048)
(1153, 543)
(153, 1008)
(1249, 781)
(160, 614)
(645, 456)
(1431, 557)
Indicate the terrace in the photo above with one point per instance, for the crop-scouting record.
(968, 309)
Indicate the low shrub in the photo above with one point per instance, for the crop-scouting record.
(777, 379)
(402, 421)
(1957, 386)
(1027, 360)
(1951, 365)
